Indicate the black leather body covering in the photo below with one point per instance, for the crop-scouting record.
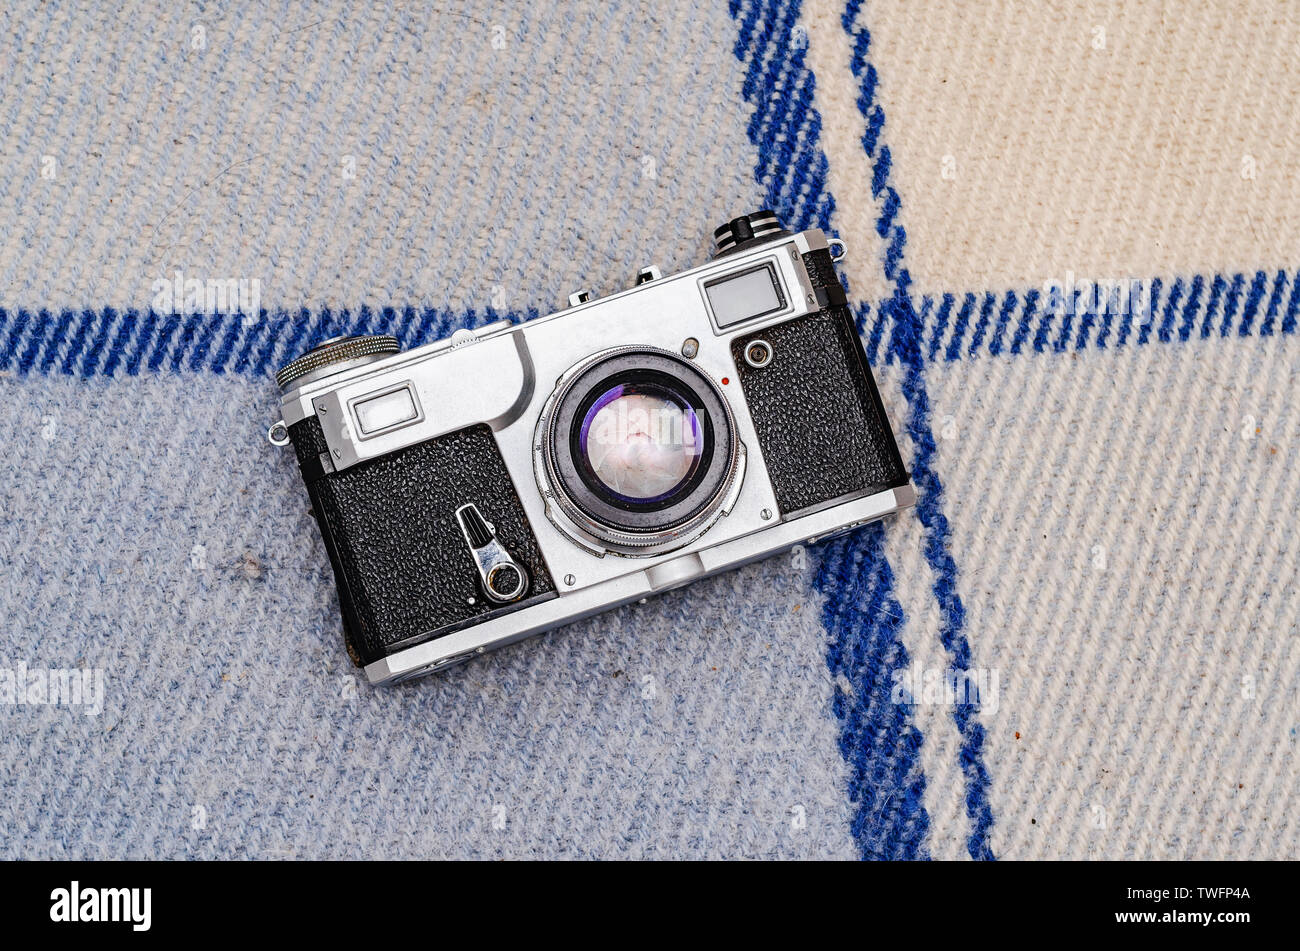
(404, 572)
(820, 422)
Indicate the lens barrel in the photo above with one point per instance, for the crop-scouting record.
(638, 448)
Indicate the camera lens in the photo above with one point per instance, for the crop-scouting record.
(642, 441)
(638, 447)
(640, 438)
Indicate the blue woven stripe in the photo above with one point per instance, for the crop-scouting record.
(1239, 304)
(791, 165)
(982, 327)
(906, 344)
(996, 345)
(91, 343)
(878, 738)
(106, 342)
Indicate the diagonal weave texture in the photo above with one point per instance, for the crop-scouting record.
(1103, 539)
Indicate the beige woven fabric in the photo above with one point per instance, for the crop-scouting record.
(1113, 139)
(1122, 520)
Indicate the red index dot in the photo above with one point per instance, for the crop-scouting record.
(725, 381)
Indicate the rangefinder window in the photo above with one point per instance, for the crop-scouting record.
(739, 297)
(384, 411)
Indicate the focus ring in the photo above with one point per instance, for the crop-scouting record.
(337, 350)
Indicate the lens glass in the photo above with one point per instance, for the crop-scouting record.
(642, 441)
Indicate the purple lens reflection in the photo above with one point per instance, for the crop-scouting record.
(643, 442)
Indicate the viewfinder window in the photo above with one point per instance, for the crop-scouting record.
(745, 296)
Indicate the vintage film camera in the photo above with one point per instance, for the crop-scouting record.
(517, 477)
